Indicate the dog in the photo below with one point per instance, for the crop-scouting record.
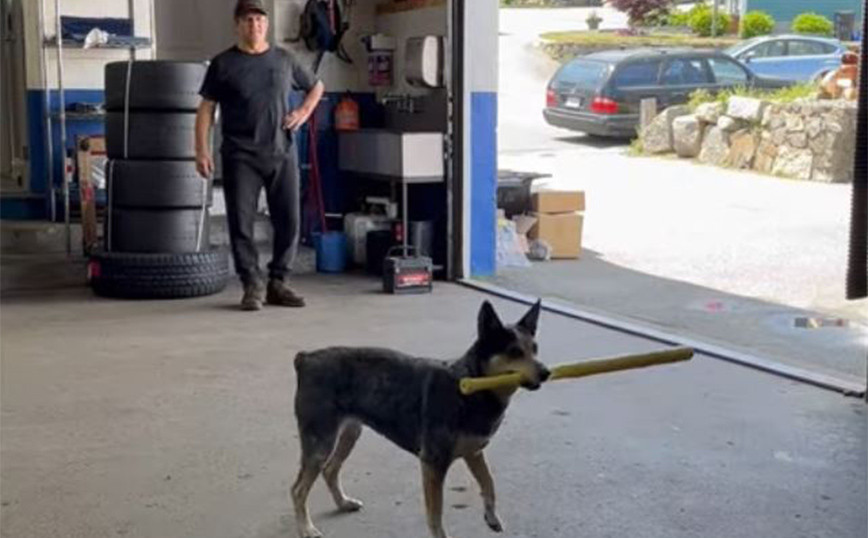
(416, 404)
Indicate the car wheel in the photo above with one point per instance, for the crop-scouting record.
(158, 276)
(158, 184)
(157, 135)
(155, 85)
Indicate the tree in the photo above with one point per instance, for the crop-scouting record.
(637, 10)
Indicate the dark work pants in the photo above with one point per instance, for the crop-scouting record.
(243, 177)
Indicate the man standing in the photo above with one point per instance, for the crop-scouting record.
(251, 82)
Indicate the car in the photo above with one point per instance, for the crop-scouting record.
(600, 93)
(793, 57)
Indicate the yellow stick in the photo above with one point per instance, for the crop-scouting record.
(469, 385)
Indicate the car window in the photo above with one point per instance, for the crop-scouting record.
(806, 48)
(582, 73)
(685, 71)
(727, 71)
(770, 49)
(637, 74)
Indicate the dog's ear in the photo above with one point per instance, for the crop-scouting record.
(488, 321)
(529, 321)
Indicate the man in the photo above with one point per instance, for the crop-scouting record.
(251, 82)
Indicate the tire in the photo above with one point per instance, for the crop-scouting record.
(158, 276)
(157, 230)
(156, 85)
(157, 185)
(155, 135)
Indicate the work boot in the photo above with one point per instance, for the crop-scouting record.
(253, 296)
(280, 294)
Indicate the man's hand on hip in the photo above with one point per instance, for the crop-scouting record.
(204, 165)
(295, 119)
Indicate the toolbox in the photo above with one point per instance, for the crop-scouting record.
(406, 274)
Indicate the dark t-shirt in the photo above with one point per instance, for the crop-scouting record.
(253, 93)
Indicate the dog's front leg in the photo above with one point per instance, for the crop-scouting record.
(479, 468)
(432, 480)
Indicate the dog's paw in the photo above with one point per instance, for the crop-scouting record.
(350, 505)
(493, 522)
(310, 532)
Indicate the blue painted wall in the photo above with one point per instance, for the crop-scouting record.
(483, 188)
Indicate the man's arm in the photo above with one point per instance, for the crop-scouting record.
(204, 121)
(300, 115)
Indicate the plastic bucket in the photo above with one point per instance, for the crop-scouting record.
(331, 252)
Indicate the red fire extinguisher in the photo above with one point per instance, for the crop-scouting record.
(347, 115)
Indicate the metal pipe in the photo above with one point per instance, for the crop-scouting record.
(62, 109)
(49, 139)
(131, 7)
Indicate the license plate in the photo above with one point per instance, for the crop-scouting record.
(573, 102)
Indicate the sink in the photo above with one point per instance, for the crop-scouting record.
(392, 154)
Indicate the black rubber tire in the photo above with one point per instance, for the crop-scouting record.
(157, 230)
(157, 184)
(156, 85)
(153, 135)
(159, 276)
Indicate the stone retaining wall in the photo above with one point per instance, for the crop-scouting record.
(813, 140)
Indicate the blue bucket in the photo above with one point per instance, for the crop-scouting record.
(331, 252)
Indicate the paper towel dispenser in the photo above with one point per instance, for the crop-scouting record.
(424, 61)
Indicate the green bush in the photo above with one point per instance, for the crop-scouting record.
(701, 21)
(679, 18)
(814, 24)
(756, 23)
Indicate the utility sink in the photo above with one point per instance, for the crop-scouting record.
(413, 157)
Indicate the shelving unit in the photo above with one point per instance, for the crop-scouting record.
(62, 116)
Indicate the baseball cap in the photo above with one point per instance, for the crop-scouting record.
(243, 7)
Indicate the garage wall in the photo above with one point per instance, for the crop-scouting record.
(481, 74)
(407, 24)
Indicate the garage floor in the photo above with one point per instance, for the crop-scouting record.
(174, 418)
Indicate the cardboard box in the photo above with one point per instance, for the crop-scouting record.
(558, 201)
(90, 148)
(562, 231)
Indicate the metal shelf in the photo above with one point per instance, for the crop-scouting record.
(140, 43)
(80, 116)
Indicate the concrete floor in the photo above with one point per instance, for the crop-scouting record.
(174, 418)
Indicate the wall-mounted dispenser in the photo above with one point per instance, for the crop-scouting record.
(424, 61)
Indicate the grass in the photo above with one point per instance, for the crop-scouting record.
(611, 39)
(783, 95)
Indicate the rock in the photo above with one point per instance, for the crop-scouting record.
(779, 136)
(766, 153)
(715, 146)
(687, 136)
(772, 118)
(833, 167)
(822, 143)
(814, 126)
(709, 112)
(746, 108)
(798, 140)
(657, 137)
(728, 124)
(793, 163)
(795, 123)
(742, 149)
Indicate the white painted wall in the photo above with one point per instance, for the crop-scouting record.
(83, 69)
(419, 22)
(481, 44)
(337, 75)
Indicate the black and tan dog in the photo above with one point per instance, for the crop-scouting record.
(416, 404)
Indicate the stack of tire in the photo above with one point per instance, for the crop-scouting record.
(156, 234)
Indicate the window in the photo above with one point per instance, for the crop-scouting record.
(770, 49)
(582, 73)
(728, 72)
(637, 74)
(809, 48)
(685, 72)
